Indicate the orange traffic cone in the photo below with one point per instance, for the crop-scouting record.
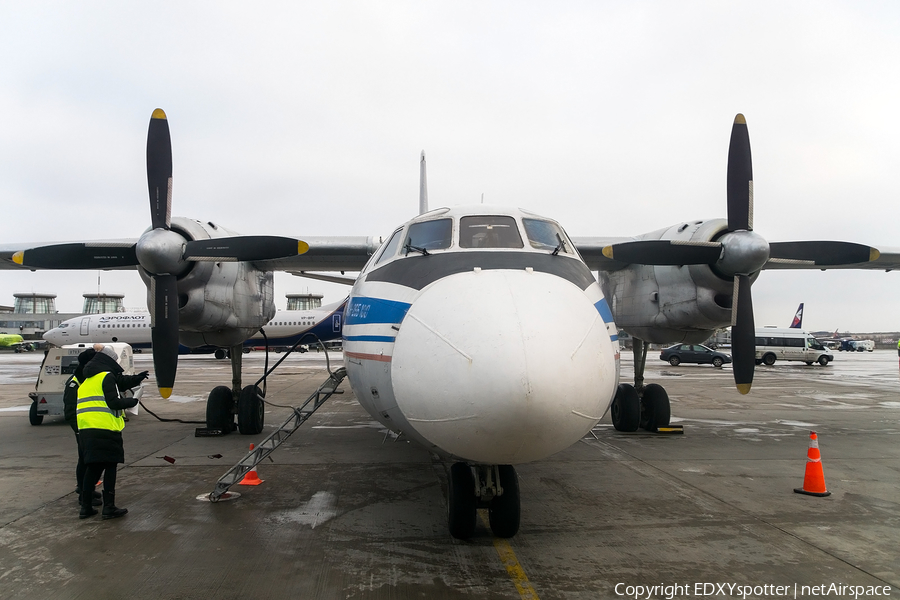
(252, 477)
(814, 480)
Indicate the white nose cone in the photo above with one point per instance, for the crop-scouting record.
(503, 367)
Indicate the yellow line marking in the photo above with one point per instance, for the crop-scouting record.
(513, 568)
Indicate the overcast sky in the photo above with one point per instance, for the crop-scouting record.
(308, 119)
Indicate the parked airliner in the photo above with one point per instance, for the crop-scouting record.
(133, 328)
(478, 331)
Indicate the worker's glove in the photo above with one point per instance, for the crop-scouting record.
(144, 375)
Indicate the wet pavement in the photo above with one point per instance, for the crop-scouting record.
(347, 511)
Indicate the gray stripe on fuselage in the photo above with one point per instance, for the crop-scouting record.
(416, 272)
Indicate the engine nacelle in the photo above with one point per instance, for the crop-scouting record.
(695, 301)
(219, 303)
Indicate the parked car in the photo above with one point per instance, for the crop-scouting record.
(694, 353)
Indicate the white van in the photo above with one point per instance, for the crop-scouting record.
(60, 364)
(789, 344)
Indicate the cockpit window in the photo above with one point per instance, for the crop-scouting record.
(545, 235)
(489, 231)
(390, 248)
(428, 235)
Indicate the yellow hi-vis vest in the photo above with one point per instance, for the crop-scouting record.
(92, 411)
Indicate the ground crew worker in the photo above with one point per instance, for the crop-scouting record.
(100, 424)
(70, 400)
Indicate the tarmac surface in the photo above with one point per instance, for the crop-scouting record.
(348, 511)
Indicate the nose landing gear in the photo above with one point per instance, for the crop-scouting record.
(494, 487)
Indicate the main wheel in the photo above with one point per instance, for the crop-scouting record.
(505, 510)
(674, 361)
(220, 409)
(461, 506)
(769, 359)
(33, 417)
(626, 408)
(718, 362)
(655, 408)
(251, 410)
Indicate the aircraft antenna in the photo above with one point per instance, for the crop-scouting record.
(423, 187)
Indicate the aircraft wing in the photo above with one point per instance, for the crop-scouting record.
(327, 253)
(887, 259)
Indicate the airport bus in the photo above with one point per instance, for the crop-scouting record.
(774, 344)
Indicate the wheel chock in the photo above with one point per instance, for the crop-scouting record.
(671, 429)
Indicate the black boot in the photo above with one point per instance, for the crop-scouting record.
(87, 504)
(109, 507)
(95, 502)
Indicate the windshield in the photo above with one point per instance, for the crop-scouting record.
(545, 235)
(428, 235)
(489, 232)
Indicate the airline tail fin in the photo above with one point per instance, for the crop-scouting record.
(423, 187)
(797, 323)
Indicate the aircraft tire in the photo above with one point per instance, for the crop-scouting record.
(461, 506)
(626, 408)
(33, 417)
(655, 408)
(251, 411)
(219, 413)
(505, 510)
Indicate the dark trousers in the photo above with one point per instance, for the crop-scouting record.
(80, 467)
(92, 474)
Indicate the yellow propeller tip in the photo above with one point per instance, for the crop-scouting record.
(158, 114)
(740, 120)
(743, 388)
(18, 257)
(165, 392)
(873, 254)
(608, 252)
(302, 247)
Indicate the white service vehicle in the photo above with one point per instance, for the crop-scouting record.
(789, 344)
(865, 345)
(60, 364)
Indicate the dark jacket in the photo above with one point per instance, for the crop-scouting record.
(70, 392)
(103, 445)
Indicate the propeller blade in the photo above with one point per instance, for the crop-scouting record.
(164, 331)
(96, 255)
(823, 253)
(664, 252)
(244, 248)
(743, 334)
(159, 170)
(740, 178)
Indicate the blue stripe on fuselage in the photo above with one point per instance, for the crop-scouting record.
(605, 314)
(365, 311)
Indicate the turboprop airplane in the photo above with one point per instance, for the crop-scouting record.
(480, 331)
(284, 329)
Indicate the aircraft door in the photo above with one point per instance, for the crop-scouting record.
(85, 326)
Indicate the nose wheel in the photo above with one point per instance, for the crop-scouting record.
(494, 487)
(639, 405)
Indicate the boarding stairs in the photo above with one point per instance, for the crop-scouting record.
(234, 475)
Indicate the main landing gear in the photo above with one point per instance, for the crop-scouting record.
(224, 402)
(639, 405)
(494, 487)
